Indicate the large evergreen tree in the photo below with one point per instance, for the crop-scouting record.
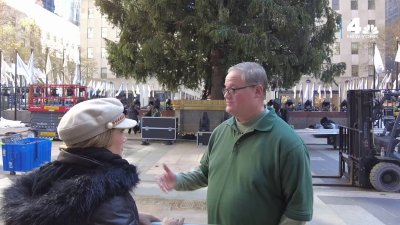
(189, 42)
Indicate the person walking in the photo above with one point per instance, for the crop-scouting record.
(89, 183)
(133, 113)
(256, 167)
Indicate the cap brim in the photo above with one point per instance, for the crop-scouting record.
(126, 123)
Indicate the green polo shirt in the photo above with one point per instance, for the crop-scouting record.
(254, 177)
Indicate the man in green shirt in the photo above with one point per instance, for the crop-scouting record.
(256, 167)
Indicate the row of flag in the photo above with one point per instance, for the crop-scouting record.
(34, 75)
(378, 64)
(107, 89)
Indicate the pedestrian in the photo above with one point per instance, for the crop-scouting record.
(133, 113)
(256, 167)
(89, 183)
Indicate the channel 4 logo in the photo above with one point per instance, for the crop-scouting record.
(356, 31)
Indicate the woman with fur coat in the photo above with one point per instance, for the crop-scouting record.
(89, 183)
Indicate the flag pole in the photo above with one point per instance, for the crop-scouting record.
(79, 66)
(15, 84)
(47, 72)
(63, 69)
(1, 97)
(373, 54)
(397, 65)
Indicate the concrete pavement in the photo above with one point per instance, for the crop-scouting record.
(332, 205)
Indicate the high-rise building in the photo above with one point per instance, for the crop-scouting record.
(49, 5)
(57, 34)
(68, 9)
(391, 37)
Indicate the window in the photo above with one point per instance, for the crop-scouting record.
(371, 70)
(90, 53)
(104, 32)
(91, 13)
(103, 72)
(336, 48)
(354, 48)
(354, 4)
(104, 54)
(371, 4)
(370, 49)
(90, 32)
(335, 4)
(354, 70)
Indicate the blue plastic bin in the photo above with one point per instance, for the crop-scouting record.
(26, 154)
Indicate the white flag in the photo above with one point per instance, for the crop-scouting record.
(312, 91)
(133, 91)
(22, 69)
(5, 72)
(66, 77)
(49, 70)
(305, 94)
(32, 70)
(126, 90)
(76, 74)
(319, 91)
(119, 90)
(379, 68)
(397, 59)
(294, 93)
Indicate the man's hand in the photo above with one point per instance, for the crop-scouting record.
(172, 221)
(147, 219)
(167, 181)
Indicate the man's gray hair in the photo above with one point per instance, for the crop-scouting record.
(251, 73)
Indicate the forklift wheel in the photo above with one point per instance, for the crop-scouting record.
(385, 177)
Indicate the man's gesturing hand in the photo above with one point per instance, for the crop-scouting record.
(167, 180)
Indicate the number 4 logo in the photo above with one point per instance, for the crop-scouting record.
(354, 26)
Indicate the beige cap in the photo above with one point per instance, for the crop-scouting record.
(91, 118)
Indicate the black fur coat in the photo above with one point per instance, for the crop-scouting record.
(83, 186)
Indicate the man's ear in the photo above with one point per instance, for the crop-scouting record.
(259, 91)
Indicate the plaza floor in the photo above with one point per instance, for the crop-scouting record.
(332, 205)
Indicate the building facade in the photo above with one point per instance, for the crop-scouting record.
(362, 27)
(59, 35)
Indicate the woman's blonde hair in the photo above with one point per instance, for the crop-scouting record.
(102, 140)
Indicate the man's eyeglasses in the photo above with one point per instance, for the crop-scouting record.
(232, 91)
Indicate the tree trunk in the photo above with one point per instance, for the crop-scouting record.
(217, 76)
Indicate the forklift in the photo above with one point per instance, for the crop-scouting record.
(369, 146)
